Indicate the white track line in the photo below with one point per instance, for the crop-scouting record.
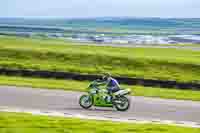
(71, 115)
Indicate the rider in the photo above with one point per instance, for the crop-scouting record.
(112, 84)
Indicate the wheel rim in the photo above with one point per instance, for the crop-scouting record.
(122, 105)
(85, 101)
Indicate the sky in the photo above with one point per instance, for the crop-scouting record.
(100, 8)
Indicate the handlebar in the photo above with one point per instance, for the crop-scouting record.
(95, 83)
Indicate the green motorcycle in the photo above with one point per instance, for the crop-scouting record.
(101, 98)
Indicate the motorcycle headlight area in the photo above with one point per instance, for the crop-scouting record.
(93, 91)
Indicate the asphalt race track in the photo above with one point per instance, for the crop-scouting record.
(67, 102)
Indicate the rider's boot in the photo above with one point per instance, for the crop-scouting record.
(109, 97)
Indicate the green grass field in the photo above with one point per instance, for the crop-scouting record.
(81, 86)
(26, 123)
(53, 55)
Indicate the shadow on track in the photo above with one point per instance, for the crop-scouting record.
(92, 109)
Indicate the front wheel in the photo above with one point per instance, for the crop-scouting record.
(121, 103)
(86, 101)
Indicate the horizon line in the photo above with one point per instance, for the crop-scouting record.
(93, 17)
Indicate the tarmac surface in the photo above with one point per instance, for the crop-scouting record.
(142, 108)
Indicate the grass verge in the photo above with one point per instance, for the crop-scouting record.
(81, 86)
(150, 63)
(26, 123)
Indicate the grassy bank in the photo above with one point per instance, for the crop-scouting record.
(153, 63)
(81, 86)
(26, 123)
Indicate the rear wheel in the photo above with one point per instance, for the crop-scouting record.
(86, 101)
(121, 103)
